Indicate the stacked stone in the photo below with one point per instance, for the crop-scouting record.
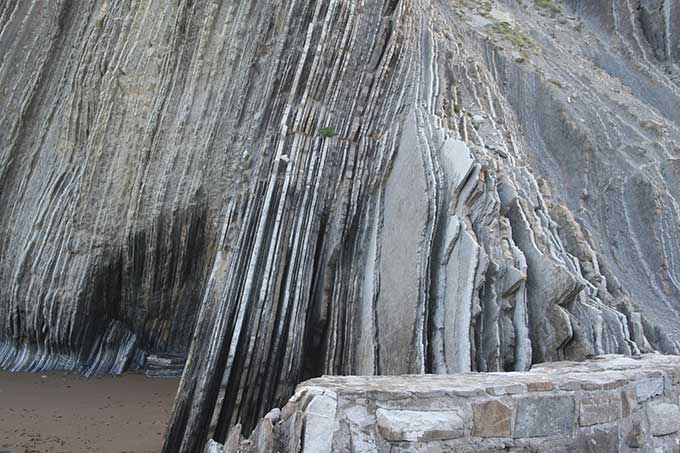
(607, 404)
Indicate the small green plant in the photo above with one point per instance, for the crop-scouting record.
(326, 132)
(516, 37)
(547, 4)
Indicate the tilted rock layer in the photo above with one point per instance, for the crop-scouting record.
(290, 189)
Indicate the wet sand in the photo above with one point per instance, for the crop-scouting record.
(58, 412)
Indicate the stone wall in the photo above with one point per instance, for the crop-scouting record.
(607, 404)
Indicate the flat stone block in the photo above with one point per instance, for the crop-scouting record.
(664, 418)
(598, 440)
(599, 409)
(648, 388)
(602, 384)
(418, 426)
(359, 416)
(320, 422)
(547, 416)
(468, 392)
(492, 419)
(540, 386)
(506, 389)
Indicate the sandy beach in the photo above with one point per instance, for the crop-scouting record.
(58, 412)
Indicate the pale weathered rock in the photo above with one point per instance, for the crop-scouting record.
(508, 389)
(319, 423)
(664, 418)
(263, 436)
(417, 426)
(358, 415)
(649, 388)
(213, 447)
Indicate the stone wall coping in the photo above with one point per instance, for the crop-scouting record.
(599, 373)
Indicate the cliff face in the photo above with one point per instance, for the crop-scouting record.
(289, 189)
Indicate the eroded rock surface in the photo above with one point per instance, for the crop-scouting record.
(289, 189)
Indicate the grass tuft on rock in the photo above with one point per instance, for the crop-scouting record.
(509, 32)
(547, 4)
(326, 132)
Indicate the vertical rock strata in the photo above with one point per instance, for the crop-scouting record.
(290, 189)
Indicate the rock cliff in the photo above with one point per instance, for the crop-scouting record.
(284, 189)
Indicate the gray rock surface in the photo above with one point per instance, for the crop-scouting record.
(417, 426)
(664, 418)
(648, 388)
(600, 409)
(213, 447)
(282, 190)
(545, 416)
(436, 413)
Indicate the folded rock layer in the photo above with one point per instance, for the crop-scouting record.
(290, 189)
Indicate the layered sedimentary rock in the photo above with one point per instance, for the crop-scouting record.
(290, 189)
(609, 404)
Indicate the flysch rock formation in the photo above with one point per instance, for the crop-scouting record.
(609, 404)
(285, 189)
